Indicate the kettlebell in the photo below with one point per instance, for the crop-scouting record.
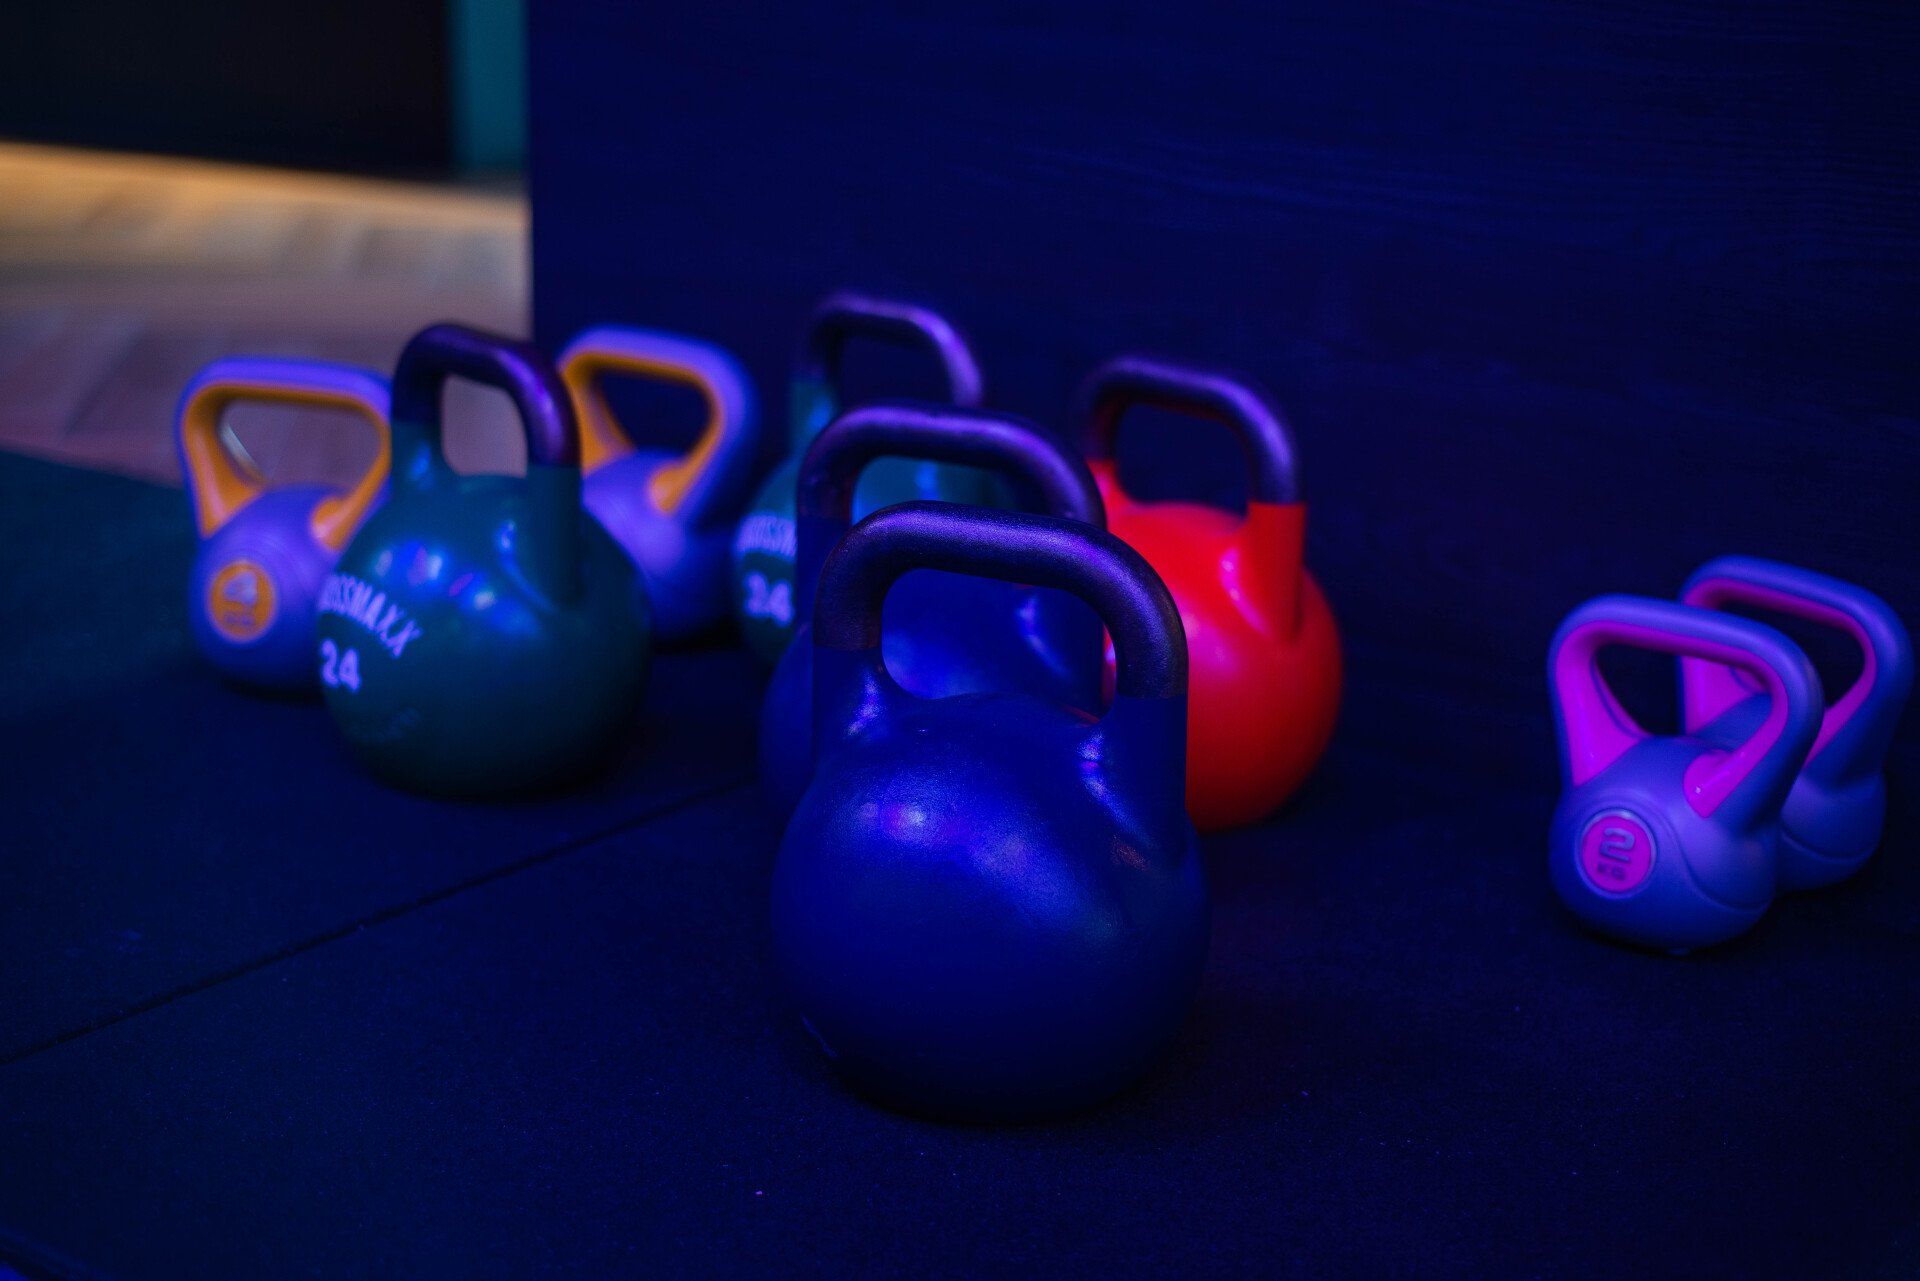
(673, 515)
(763, 549)
(1265, 650)
(264, 550)
(1831, 822)
(1669, 842)
(946, 633)
(482, 635)
(991, 906)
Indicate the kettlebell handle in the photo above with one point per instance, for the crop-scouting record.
(517, 368)
(1057, 481)
(1130, 380)
(1595, 730)
(700, 486)
(222, 479)
(1858, 726)
(550, 548)
(1150, 646)
(843, 316)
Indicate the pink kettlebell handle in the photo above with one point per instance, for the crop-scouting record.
(1596, 731)
(1858, 726)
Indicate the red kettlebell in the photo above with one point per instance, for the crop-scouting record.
(1265, 653)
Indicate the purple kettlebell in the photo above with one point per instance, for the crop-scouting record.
(1669, 842)
(1831, 822)
(264, 550)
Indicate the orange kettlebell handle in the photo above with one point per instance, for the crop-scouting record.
(1265, 567)
(221, 479)
(666, 358)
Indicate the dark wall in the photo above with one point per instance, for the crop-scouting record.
(1560, 298)
(355, 84)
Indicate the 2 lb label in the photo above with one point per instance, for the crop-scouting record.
(1616, 852)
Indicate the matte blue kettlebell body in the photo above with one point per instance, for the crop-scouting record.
(945, 633)
(1669, 842)
(1831, 821)
(988, 906)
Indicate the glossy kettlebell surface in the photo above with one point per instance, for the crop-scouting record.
(945, 633)
(265, 551)
(1669, 842)
(988, 906)
(481, 635)
(673, 514)
(1831, 821)
(767, 541)
(1263, 643)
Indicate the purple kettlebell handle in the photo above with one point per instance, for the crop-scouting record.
(1858, 727)
(550, 547)
(847, 315)
(440, 352)
(1273, 469)
(1150, 645)
(1053, 476)
(1596, 731)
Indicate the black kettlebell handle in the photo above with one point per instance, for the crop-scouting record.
(551, 549)
(1126, 381)
(846, 315)
(1150, 646)
(1056, 480)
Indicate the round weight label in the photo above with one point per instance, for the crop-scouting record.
(1616, 852)
(240, 601)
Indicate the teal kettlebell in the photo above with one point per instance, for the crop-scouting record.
(482, 635)
(763, 547)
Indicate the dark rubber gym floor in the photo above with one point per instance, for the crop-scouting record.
(262, 1017)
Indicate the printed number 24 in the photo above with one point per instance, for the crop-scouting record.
(338, 669)
(766, 600)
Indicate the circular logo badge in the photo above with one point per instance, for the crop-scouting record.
(1616, 852)
(240, 601)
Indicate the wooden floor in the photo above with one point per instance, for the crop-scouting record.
(120, 275)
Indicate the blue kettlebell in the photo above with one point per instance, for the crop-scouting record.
(1669, 842)
(1831, 822)
(946, 633)
(265, 551)
(764, 548)
(991, 906)
(673, 514)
